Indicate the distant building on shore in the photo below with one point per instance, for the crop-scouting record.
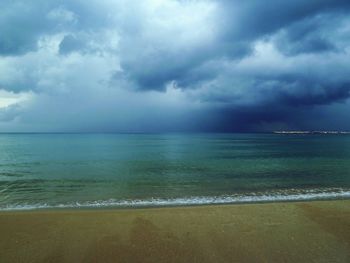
(311, 132)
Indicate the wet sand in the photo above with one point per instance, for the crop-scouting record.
(273, 232)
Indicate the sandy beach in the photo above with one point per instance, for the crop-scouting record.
(272, 232)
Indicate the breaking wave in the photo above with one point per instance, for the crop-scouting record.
(255, 197)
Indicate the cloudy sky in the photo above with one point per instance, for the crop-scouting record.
(168, 66)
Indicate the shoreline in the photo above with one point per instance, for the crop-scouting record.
(290, 195)
(305, 231)
(150, 207)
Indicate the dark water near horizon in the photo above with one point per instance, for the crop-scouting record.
(98, 170)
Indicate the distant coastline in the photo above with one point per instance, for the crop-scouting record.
(311, 132)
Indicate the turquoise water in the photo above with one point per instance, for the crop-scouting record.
(97, 170)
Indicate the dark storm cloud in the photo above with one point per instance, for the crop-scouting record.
(312, 35)
(309, 94)
(297, 90)
(299, 26)
(226, 65)
(257, 18)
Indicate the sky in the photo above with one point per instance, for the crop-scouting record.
(174, 66)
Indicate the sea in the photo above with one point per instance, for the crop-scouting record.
(43, 171)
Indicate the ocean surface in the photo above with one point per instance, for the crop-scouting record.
(126, 170)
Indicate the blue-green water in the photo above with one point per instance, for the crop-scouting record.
(93, 170)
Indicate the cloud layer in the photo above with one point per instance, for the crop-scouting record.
(186, 65)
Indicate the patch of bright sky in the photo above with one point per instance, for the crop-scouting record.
(8, 98)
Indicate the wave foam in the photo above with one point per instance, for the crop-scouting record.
(275, 196)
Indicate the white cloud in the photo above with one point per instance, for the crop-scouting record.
(61, 15)
(8, 98)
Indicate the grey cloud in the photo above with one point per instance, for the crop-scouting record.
(22, 23)
(299, 26)
(9, 113)
(256, 18)
(312, 35)
(69, 44)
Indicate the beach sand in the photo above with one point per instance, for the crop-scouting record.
(272, 232)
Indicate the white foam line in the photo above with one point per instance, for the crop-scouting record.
(200, 200)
